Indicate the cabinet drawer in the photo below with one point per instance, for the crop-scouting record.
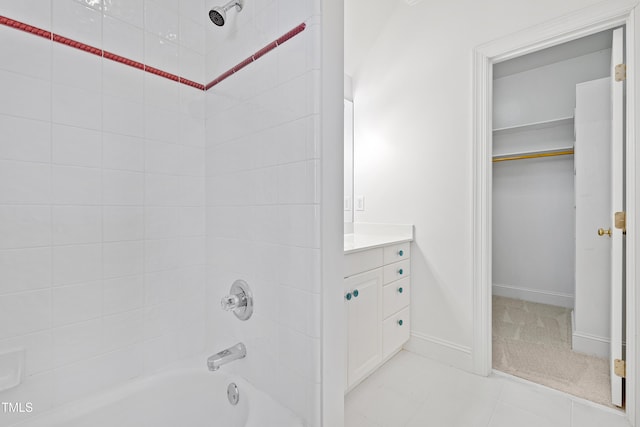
(396, 296)
(394, 334)
(358, 262)
(397, 252)
(395, 271)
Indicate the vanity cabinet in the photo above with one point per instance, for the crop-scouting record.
(363, 309)
(377, 294)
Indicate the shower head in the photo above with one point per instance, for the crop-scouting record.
(218, 14)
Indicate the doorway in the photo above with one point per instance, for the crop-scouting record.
(551, 304)
(580, 24)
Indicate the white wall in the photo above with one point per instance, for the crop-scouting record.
(549, 91)
(533, 200)
(413, 130)
(348, 162)
(101, 199)
(263, 201)
(534, 230)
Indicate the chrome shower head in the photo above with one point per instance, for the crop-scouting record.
(218, 14)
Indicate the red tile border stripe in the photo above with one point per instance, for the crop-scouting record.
(139, 65)
(123, 60)
(291, 34)
(161, 73)
(243, 64)
(25, 27)
(77, 45)
(297, 30)
(191, 83)
(268, 48)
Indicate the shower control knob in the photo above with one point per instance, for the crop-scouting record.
(239, 300)
(230, 302)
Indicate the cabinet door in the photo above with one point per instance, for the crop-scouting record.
(364, 341)
(396, 331)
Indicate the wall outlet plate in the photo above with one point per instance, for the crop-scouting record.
(359, 203)
(11, 368)
(347, 203)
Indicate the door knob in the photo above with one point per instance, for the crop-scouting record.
(602, 232)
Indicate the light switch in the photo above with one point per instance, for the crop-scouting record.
(359, 203)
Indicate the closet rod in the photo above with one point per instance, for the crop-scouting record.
(534, 155)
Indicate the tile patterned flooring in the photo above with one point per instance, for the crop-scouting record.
(413, 391)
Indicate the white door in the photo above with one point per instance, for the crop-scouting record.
(592, 160)
(599, 193)
(617, 205)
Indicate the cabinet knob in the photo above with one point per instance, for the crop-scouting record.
(400, 271)
(400, 322)
(401, 252)
(348, 296)
(400, 290)
(356, 293)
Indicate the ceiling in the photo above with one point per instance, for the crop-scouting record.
(364, 20)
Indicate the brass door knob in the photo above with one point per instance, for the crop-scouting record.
(602, 232)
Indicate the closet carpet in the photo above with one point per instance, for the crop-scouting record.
(533, 341)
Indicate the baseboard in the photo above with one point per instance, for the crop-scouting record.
(590, 344)
(443, 351)
(534, 295)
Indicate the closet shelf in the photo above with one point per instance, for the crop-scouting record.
(534, 154)
(534, 126)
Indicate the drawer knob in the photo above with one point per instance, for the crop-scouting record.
(400, 290)
(356, 293)
(400, 322)
(401, 252)
(400, 271)
(348, 296)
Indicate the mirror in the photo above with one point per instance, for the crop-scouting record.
(348, 162)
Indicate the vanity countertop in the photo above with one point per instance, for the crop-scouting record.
(368, 236)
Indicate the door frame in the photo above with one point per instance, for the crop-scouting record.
(590, 20)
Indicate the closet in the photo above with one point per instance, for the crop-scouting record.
(551, 135)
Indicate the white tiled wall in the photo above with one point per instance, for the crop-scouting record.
(263, 203)
(102, 190)
(105, 172)
(168, 35)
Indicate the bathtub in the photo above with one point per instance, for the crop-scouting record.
(182, 396)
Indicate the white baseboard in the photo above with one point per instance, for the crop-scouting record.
(534, 295)
(443, 351)
(590, 344)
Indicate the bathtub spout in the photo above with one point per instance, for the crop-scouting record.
(223, 357)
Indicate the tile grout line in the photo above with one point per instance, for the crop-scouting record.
(103, 343)
(51, 329)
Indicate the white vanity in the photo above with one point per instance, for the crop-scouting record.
(377, 289)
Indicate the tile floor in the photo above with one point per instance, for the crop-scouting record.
(413, 391)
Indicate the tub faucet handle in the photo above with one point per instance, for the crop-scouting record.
(239, 300)
(231, 302)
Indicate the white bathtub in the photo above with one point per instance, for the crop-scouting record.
(181, 397)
